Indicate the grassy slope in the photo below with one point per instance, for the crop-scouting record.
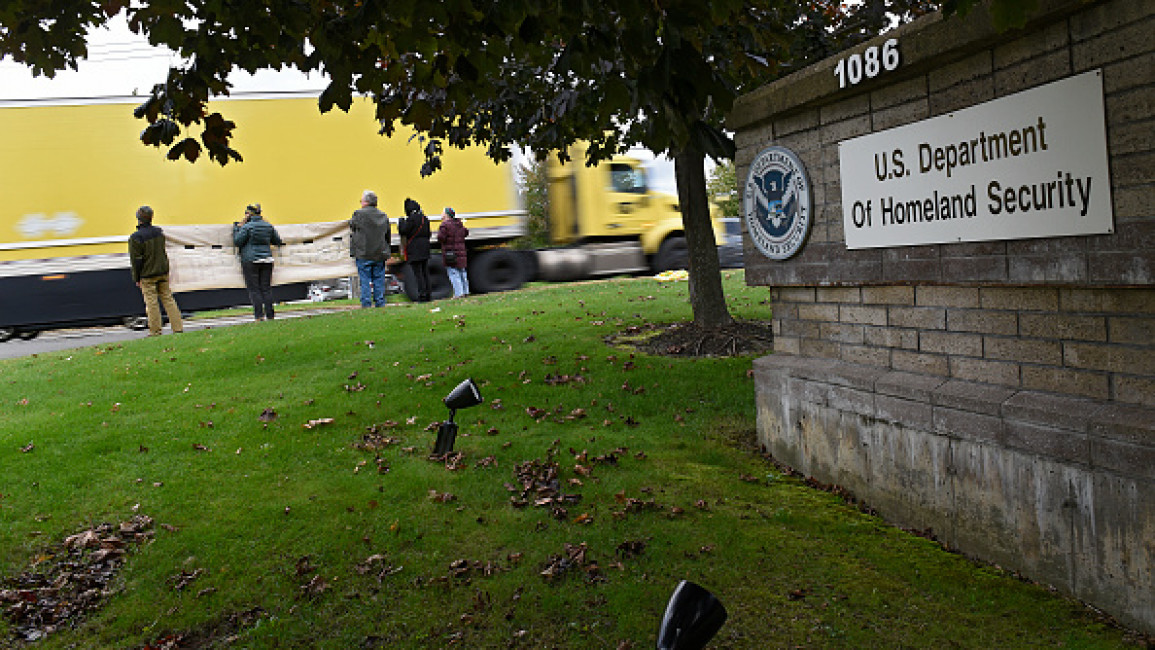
(792, 565)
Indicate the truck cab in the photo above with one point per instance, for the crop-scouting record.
(612, 203)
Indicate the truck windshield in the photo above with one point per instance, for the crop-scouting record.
(626, 178)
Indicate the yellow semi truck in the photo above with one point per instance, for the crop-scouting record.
(72, 174)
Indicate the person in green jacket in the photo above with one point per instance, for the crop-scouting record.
(149, 263)
(253, 239)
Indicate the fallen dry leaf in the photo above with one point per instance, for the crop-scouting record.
(184, 579)
(631, 548)
(305, 566)
(315, 587)
(369, 564)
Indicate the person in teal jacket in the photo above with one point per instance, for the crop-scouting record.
(254, 240)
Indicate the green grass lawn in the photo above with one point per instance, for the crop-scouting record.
(292, 532)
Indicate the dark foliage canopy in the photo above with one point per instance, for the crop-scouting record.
(617, 73)
(659, 74)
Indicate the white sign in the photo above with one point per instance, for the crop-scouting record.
(1032, 164)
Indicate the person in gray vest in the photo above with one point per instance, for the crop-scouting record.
(253, 239)
(370, 247)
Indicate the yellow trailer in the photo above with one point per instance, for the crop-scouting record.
(72, 174)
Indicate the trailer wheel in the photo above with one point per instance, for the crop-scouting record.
(494, 270)
(136, 322)
(439, 286)
(27, 335)
(6, 333)
(672, 254)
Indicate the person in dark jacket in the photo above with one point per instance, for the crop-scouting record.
(414, 229)
(253, 239)
(451, 237)
(150, 272)
(369, 246)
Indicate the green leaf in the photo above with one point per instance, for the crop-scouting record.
(420, 115)
(188, 149)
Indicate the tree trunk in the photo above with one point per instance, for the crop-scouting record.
(706, 296)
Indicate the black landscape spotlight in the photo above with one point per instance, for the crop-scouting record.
(462, 397)
(693, 616)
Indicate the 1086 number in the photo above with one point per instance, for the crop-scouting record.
(853, 69)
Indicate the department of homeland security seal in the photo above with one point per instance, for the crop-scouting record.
(776, 203)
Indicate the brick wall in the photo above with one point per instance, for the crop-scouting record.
(1082, 342)
(809, 114)
(1073, 315)
(1000, 393)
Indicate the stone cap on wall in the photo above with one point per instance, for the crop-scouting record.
(929, 42)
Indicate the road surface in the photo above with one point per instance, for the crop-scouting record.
(67, 339)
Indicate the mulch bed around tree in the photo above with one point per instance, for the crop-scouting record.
(740, 338)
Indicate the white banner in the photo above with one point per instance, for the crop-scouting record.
(1032, 164)
(204, 257)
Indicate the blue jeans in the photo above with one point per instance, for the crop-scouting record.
(460, 281)
(372, 276)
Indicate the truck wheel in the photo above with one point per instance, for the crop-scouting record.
(136, 322)
(496, 270)
(672, 254)
(27, 335)
(6, 333)
(439, 286)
